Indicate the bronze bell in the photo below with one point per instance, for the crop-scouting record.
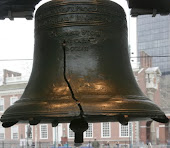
(81, 68)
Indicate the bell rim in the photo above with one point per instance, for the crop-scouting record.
(104, 105)
(137, 116)
(133, 115)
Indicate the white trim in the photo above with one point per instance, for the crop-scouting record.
(68, 131)
(41, 132)
(140, 70)
(3, 104)
(3, 130)
(17, 79)
(120, 131)
(12, 132)
(57, 133)
(161, 125)
(157, 132)
(102, 130)
(144, 126)
(91, 131)
(12, 92)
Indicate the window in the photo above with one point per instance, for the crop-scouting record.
(14, 132)
(70, 132)
(13, 100)
(125, 130)
(1, 104)
(43, 131)
(2, 132)
(27, 128)
(105, 129)
(89, 132)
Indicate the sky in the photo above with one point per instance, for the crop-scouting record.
(17, 37)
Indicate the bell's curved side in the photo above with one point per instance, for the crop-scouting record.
(97, 67)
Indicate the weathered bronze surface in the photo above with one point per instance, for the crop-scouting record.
(97, 67)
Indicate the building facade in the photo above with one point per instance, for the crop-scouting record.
(153, 37)
(16, 136)
(148, 78)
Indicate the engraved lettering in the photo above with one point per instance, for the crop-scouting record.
(78, 41)
(77, 48)
(89, 34)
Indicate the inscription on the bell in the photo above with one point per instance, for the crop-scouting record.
(77, 40)
(83, 32)
(77, 48)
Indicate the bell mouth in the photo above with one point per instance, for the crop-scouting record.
(96, 109)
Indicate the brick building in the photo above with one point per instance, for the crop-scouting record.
(11, 90)
(148, 78)
(44, 136)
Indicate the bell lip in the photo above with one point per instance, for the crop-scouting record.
(105, 108)
(46, 118)
(90, 119)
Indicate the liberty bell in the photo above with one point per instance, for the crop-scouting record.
(81, 70)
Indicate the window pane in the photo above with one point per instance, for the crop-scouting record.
(2, 133)
(106, 129)
(89, 132)
(44, 131)
(70, 132)
(1, 104)
(14, 132)
(125, 130)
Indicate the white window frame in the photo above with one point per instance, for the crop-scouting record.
(2, 129)
(2, 104)
(129, 126)
(26, 126)
(102, 130)
(85, 136)
(68, 132)
(12, 132)
(41, 131)
(11, 100)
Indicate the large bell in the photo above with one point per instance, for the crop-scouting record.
(81, 64)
